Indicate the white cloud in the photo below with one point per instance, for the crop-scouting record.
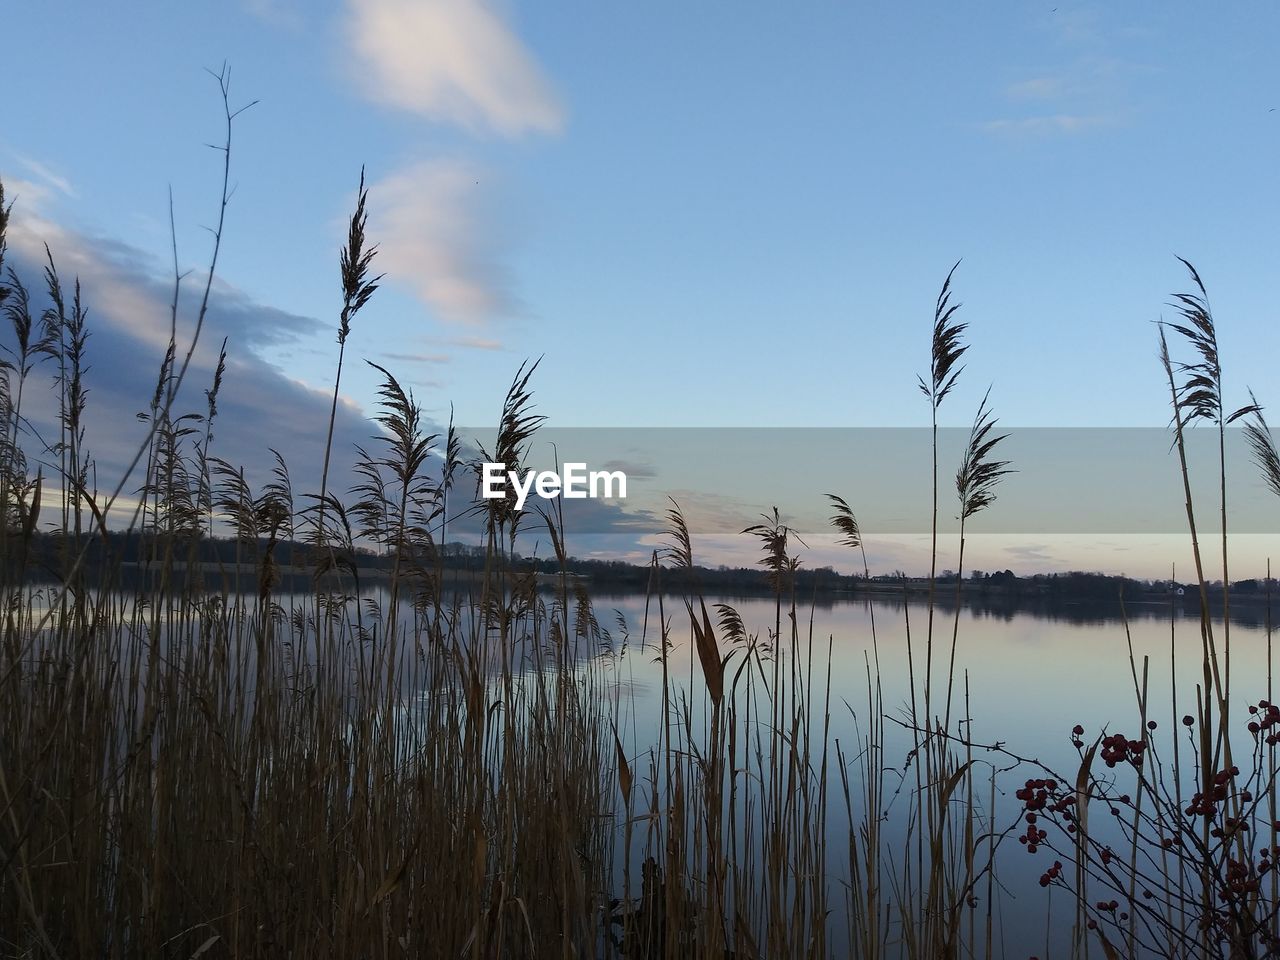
(46, 176)
(474, 343)
(1057, 123)
(277, 13)
(128, 320)
(121, 287)
(1037, 88)
(417, 357)
(452, 60)
(25, 194)
(436, 234)
(127, 304)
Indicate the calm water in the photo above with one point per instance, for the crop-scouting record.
(1032, 676)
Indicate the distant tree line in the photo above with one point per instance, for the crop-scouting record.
(134, 550)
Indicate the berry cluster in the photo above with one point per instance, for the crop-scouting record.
(1116, 748)
(1034, 835)
(1108, 906)
(1052, 874)
(1039, 795)
(1241, 880)
(1267, 859)
(1268, 721)
(1228, 801)
(1205, 803)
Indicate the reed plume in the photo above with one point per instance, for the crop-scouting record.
(354, 261)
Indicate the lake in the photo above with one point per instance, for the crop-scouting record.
(1032, 677)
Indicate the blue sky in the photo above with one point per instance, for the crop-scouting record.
(712, 214)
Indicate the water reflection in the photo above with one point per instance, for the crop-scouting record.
(1026, 675)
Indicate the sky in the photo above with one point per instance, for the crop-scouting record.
(713, 215)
